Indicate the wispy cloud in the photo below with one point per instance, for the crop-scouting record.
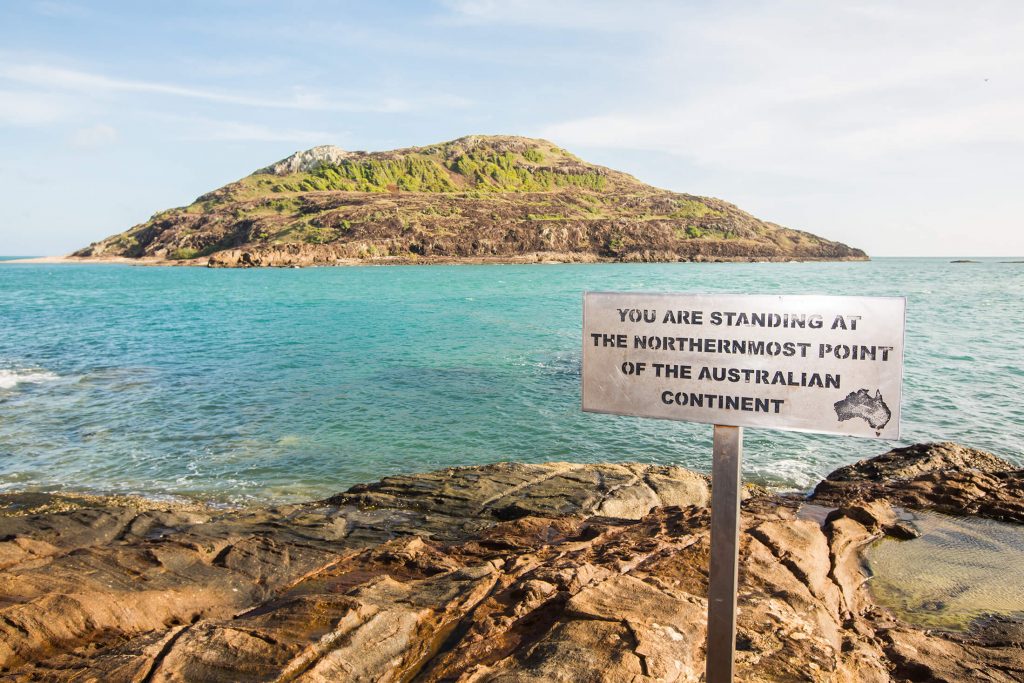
(43, 76)
(98, 135)
(53, 8)
(28, 108)
(843, 84)
(236, 131)
(580, 15)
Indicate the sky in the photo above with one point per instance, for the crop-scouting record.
(896, 127)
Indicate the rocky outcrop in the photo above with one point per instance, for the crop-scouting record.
(509, 572)
(945, 477)
(512, 490)
(475, 199)
(307, 160)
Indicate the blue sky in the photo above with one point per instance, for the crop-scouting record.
(895, 127)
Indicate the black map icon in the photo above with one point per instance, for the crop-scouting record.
(862, 404)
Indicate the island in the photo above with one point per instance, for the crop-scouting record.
(504, 572)
(475, 199)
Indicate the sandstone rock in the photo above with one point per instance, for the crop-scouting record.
(508, 572)
(512, 490)
(877, 515)
(901, 464)
(942, 476)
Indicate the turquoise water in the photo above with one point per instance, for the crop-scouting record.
(292, 384)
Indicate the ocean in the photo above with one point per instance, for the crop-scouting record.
(283, 385)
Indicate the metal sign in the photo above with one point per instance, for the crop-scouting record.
(808, 363)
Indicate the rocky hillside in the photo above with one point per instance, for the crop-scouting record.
(486, 198)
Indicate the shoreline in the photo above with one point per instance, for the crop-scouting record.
(540, 258)
(89, 259)
(22, 503)
(85, 496)
(499, 572)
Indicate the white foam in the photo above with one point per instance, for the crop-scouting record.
(12, 378)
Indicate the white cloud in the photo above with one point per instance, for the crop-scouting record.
(805, 88)
(230, 131)
(998, 123)
(94, 136)
(27, 108)
(52, 8)
(303, 99)
(594, 15)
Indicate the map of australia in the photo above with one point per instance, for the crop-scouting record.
(862, 404)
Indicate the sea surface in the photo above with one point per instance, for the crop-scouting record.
(280, 385)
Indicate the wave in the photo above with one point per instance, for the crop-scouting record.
(12, 378)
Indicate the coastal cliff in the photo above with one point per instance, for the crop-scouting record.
(507, 572)
(476, 199)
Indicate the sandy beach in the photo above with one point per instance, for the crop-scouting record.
(145, 261)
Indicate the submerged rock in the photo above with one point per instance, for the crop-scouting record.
(508, 572)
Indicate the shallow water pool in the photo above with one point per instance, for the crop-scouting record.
(960, 569)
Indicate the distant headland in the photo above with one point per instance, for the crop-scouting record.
(475, 199)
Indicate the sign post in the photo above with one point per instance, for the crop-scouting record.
(829, 364)
(725, 538)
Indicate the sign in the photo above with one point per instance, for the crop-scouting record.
(829, 364)
(809, 363)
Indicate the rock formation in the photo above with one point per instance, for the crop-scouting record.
(510, 572)
(478, 198)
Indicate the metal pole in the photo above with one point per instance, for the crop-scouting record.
(725, 536)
